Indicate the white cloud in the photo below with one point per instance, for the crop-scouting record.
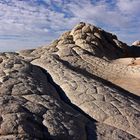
(129, 6)
(44, 21)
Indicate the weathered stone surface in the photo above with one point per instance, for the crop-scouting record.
(64, 90)
(104, 102)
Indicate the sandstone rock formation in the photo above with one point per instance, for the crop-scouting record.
(83, 86)
(136, 43)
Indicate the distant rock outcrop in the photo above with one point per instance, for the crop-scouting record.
(82, 86)
(136, 43)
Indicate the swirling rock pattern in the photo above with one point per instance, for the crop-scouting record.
(71, 89)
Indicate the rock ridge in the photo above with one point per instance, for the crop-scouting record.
(83, 86)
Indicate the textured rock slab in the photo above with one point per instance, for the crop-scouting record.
(103, 102)
(62, 91)
(31, 108)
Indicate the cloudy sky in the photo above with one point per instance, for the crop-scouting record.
(31, 23)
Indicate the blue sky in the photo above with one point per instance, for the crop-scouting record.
(31, 23)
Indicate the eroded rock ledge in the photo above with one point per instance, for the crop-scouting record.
(77, 88)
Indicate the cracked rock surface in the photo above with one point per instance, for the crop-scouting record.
(83, 86)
